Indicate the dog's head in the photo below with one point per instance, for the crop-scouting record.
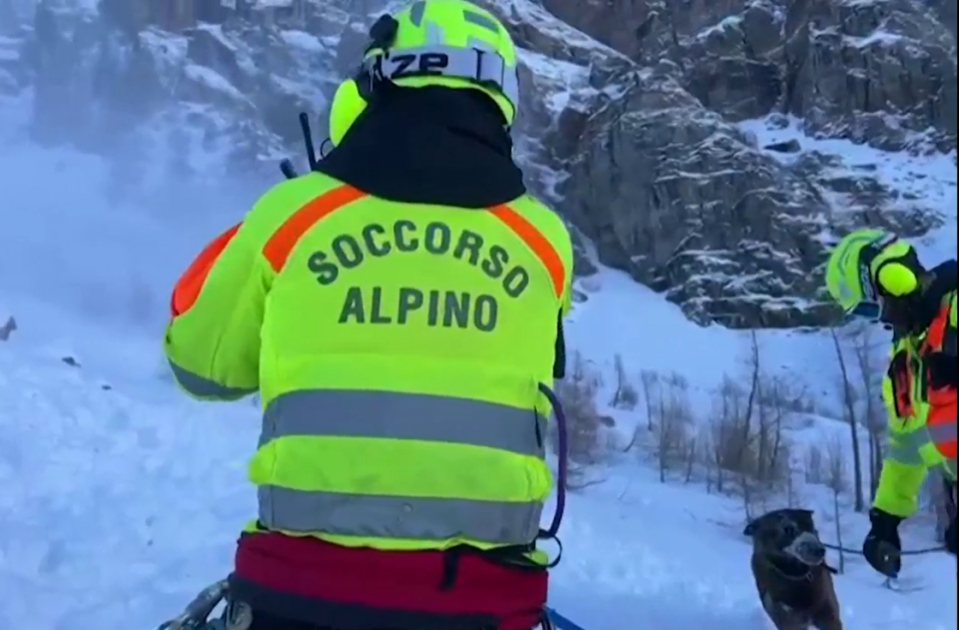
(788, 532)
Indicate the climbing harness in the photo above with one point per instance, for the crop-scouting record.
(197, 614)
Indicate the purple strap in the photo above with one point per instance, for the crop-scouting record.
(563, 460)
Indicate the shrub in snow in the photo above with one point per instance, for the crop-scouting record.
(577, 393)
(8, 328)
(584, 424)
(625, 396)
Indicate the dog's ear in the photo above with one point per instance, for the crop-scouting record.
(750, 529)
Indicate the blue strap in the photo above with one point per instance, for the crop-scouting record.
(561, 622)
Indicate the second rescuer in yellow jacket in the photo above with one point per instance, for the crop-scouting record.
(399, 310)
(877, 276)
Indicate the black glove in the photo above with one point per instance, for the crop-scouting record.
(951, 535)
(882, 548)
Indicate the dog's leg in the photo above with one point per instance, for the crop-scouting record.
(827, 622)
(782, 617)
(827, 616)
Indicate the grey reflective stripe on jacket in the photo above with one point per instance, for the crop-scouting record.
(398, 416)
(205, 388)
(378, 414)
(905, 447)
(943, 434)
(415, 518)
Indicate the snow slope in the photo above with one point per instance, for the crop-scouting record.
(120, 503)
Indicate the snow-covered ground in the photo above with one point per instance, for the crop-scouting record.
(121, 498)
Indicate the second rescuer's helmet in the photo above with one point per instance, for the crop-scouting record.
(450, 43)
(867, 267)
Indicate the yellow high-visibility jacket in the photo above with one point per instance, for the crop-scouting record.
(922, 418)
(398, 350)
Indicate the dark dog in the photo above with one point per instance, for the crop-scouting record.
(792, 577)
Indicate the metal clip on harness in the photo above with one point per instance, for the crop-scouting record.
(196, 615)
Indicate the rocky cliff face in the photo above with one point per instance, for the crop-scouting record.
(640, 122)
(672, 189)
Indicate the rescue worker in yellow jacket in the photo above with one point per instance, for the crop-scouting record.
(399, 311)
(875, 275)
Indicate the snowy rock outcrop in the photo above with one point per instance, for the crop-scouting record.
(872, 70)
(638, 120)
(674, 192)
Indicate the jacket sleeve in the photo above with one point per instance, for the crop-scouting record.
(213, 339)
(942, 373)
(904, 470)
(943, 359)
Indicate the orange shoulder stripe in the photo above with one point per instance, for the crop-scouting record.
(279, 246)
(936, 335)
(187, 289)
(537, 242)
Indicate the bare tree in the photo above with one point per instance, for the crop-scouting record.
(791, 394)
(761, 465)
(625, 396)
(707, 452)
(778, 401)
(837, 482)
(873, 417)
(849, 410)
(585, 444)
(649, 381)
(746, 441)
(673, 418)
(732, 453)
(748, 461)
(815, 466)
(725, 434)
(690, 450)
(754, 391)
(650, 384)
(633, 439)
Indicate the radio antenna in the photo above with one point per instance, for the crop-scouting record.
(308, 140)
